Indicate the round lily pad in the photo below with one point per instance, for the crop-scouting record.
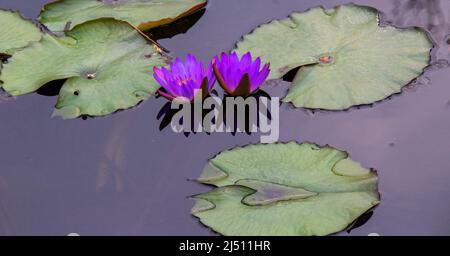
(63, 15)
(346, 57)
(16, 32)
(285, 189)
(108, 65)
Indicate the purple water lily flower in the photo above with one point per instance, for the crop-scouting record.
(240, 77)
(185, 79)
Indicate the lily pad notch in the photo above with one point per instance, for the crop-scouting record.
(108, 66)
(345, 56)
(285, 189)
(63, 15)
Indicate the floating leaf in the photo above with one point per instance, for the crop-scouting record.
(285, 189)
(16, 32)
(63, 15)
(107, 63)
(346, 57)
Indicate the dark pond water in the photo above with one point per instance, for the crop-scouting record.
(120, 175)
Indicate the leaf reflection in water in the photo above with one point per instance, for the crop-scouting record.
(433, 15)
(112, 166)
(6, 225)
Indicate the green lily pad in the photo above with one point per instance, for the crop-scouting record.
(346, 57)
(63, 15)
(16, 32)
(108, 65)
(285, 189)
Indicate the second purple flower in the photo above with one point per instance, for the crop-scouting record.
(240, 77)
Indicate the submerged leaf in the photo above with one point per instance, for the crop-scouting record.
(346, 57)
(285, 189)
(63, 15)
(108, 65)
(16, 32)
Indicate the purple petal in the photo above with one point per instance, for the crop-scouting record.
(190, 60)
(234, 77)
(225, 58)
(261, 77)
(254, 71)
(256, 66)
(159, 76)
(166, 95)
(178, 69)
(186, 92)
(169, 84)
(234, 59)
(190, 64)
(246, 61)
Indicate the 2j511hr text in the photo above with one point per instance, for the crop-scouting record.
(233, 246)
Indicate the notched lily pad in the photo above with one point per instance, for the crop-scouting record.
(346, 57)
(108, 65)
(16, 32)
(63, 15)
(267, 193)
(285, 189)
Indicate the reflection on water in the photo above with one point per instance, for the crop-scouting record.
(360, 221)
(178, 27)
(429, 13)
(4, 96)
(113, 164)
(247, 121)
(433, 15)
(6, 227)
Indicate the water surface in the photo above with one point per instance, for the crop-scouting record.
(120, 175)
